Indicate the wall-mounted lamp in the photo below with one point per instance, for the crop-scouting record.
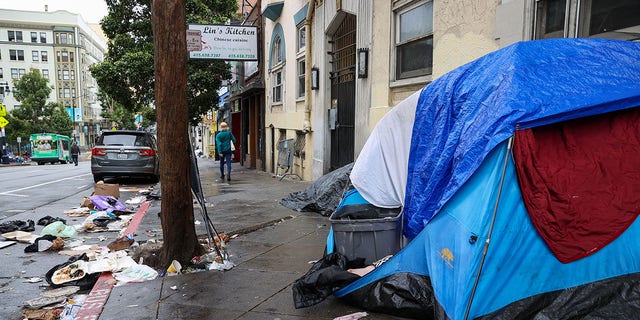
(363, 62)
(315, 78)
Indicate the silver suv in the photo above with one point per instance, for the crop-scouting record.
(125, 153)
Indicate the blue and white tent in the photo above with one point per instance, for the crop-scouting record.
(474, 251)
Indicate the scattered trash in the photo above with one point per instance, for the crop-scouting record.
(121, 243)
(40, 302)
(353, 316)
(42, 313)
(61, 292)
(46, 242)
(102, 238)
(49, 219)
(34, 280)
(136, 273)
(79, 212)
(174, 287)
(70, 311)
(225, 265)
(59, 229)
(174, 268)
(80, 280)
(107, 203)
(21, 236)
(136, 200)
(4, 244)
(18, 225)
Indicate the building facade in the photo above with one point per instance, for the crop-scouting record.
(62, 46)
(363, 57)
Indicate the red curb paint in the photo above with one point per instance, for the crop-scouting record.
(92, 307)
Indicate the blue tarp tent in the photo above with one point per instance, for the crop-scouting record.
(474, 252)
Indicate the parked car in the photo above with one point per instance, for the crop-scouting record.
(125, 153)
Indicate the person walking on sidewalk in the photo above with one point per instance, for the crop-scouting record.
(75, 152)
(225, 145)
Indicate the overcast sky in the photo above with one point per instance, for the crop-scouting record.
(90, 10)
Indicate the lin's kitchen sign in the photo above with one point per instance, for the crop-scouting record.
(222, 42)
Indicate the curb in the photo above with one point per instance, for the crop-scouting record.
(97, 298)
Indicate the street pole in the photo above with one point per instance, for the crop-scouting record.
(73, 116)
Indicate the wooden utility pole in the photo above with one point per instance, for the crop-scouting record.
(170, 62)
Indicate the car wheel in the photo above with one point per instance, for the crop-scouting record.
(40, 163)
(97, 177)
(154, 178)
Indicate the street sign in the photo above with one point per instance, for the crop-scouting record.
(3, 110)
(3, 122)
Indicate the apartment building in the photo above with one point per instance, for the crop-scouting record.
(62, 46)
(363, 57)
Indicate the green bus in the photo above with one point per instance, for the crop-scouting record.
(50, 147)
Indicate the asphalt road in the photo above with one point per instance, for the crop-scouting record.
(33, 192)
(24, 188)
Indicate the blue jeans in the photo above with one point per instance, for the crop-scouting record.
(74, 157)
(226, 157)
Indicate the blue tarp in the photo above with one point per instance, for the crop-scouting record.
(464, 114)
(518, 263)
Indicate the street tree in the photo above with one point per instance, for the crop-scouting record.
(180, 240)
(35, 114)
(146, 65)
(127, 72)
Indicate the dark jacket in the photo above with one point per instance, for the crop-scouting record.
(75, 149)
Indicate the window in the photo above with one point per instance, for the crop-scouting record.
(44, 56)
(65, 56)
(65, 75)
(14, 73)
(301, 38)
(14, 35)
(301, 77)
(35, 56)
(1, 74)
(59, 74)
(63, 38)
(45, 73)
(276, 51)
(414, 40)
(21, 72)
(67, 93)
(277, 86)
(73, 74)
(34, 37)
(551, 21)
(16, 55)
(43, 37)
(615, 19)
(71, 57)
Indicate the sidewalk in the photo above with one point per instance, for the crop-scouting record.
(273, 249)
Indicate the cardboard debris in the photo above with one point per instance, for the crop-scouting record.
(21, 236)
(106, 189)
(86, 203)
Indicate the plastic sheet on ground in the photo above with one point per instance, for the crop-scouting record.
(323, 196)
(135, 273)
(59, 229)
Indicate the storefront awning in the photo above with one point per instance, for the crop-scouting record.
(273, 10)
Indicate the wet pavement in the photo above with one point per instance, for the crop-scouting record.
(274, 247)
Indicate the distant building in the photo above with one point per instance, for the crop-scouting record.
(62, 46)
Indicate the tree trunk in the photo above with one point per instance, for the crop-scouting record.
(170, 62)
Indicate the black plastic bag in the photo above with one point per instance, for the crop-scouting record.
(323, 279)
(9, 226)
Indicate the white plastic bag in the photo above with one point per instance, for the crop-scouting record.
(233, 146)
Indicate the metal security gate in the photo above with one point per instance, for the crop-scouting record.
(343, 93)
